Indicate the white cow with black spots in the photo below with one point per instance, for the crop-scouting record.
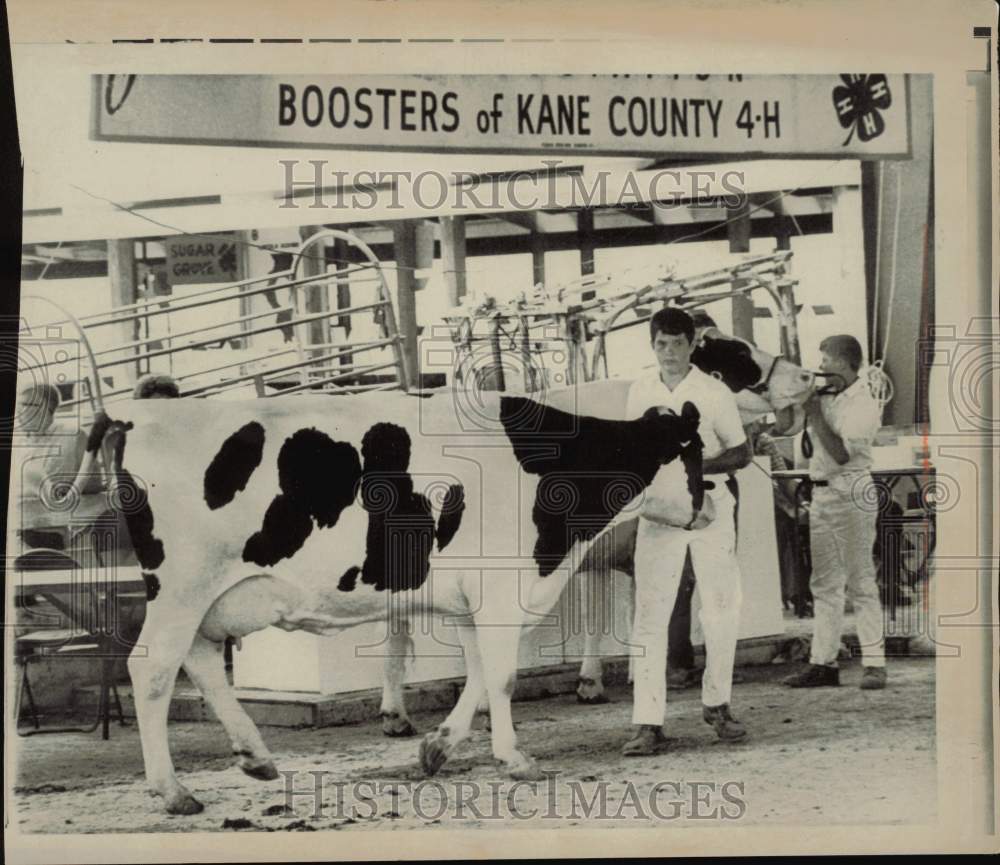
(302, 514)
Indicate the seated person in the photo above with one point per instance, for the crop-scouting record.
(54, 464)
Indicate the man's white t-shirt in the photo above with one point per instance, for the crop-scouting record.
(720, 427)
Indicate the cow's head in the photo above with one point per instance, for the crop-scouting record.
(676, 495)
(778, 383)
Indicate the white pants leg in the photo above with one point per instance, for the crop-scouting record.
(659, 558)
(841, 536)
(862, 587)
(717, 574)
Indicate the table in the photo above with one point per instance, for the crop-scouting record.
(889, 478)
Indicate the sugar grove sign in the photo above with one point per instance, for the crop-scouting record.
(849, 116)
(202, 258)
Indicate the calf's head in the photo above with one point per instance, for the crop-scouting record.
(676, 495)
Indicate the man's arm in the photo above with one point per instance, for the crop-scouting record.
(833, 443)
(729, 429)
(730, 460)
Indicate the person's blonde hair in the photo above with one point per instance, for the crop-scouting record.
(48, 391)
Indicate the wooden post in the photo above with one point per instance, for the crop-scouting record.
(789, 332)
(404, 235)
(537, 257)
(739, 241)
(585, 233)
(121, 275)
(340, 262)
(453, 257)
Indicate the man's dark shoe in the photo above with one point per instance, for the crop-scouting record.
(648, 740)
(815, 676)
(681, 679)
(726, 726)
(873, 679)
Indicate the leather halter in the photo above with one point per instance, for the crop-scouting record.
(762, 385)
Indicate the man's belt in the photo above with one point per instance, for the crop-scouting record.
(819, 483)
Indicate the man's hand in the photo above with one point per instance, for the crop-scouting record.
(813, 405)
(101, 424)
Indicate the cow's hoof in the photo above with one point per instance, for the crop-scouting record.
(262, 770)
(184, 803)
(433, 755)
(397, 727)
(525, 770)
(597, 699)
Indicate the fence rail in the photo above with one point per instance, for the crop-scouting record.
(308, 323)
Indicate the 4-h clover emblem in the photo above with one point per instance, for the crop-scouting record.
(858, 103)
(227, 259)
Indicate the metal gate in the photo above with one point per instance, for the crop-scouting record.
(311, 360)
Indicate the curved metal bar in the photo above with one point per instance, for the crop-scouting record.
(96, 395)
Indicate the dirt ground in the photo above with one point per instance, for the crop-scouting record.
(822, 756)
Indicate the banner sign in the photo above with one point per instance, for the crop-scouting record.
(852, 116)
(203, 258)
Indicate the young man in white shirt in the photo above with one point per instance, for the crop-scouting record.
(660, 550)
(842, 429)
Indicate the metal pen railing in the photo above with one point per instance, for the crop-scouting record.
(310, 333)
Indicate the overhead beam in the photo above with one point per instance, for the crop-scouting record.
(522, 244)
(520, 218)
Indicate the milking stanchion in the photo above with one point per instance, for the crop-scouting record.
(93, 583)
(492, 340)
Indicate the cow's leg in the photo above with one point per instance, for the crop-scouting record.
(162, 645)
(204, 664)
(590, 685)
(439, 744)
(395, 721)
(483, 711)
(498, 654)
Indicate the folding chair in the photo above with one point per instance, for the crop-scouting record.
(62, 643)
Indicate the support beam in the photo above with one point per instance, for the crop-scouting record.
(556, 241)
(122, 276)
(405, 255)
(789, 334)
(453, 257)
(904, 282)
(528, 220)
(738, 229)
(537, 259)
(585, 231)
(340, 262)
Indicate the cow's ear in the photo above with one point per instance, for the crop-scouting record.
(690, 412)
(656, 411)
